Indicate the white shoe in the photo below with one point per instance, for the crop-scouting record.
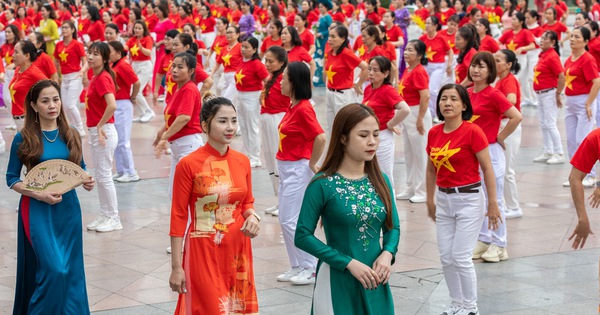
(405, 195)
(542, 158)
(97, 221)
(117, 175)
(513, 213)
(275, 213)
(136, 119)
(109, 225)
(589, 182)
(469, 311)
(306, 276)
(451, 310)
(418, 199)
(169, 152)
(2, 147)
(270, 210)
(556, 159)
(147, 117)
(255, 164)
(287, 276)
(480, 249)
(567, 184)
(169, 250)
(126, 178)
(11, 127)
(495, 254)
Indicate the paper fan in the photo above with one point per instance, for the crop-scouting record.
(55, 176)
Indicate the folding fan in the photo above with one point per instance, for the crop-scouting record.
(55, 176)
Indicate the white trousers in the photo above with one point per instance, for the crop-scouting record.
(498, 236)
(70, 89)
(208, 38)
(8, 75)
(294, 177)
(436, 72)
(334, 101)
(577, 123)
(123, 124)
(102, 157)
(385, 153)
(458, 219)
(179, 149)
(143, 70)
(414, 151)
(248, 118)
(533, 56)
(523, 77)
(228, 90)
(269, 134)
(512, 144)
(548, 114)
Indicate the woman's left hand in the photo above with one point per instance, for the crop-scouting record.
(89, 184)
(250, 227)
(494, 217)
(588, 110)
(358, 89)
(382, 266)
(102, 137)
(449, 70)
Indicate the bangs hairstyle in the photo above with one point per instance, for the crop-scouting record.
(345, 120)
(103, 50)
(72, 26)
(210, 107)
(294, 36)
(299, 77)
(467, 114)
(145, 31)
(385, 65)
(488, 59)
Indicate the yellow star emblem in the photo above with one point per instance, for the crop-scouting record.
(170, 85)
(451, 44)
(535, 76)
(168, 68)
(86, 102)
(134, 50)
(63, 56)
(197, 20)
(445, 153)
(361, 50)
(281, 137)
(401, 88)
(146, 22)
(203, 27)
(444, 18)
(167, 117)
(569, 79)
(474, 118)
(226, 59)
(12, 92)
(217, 49)
(8, 58)
(430, 53)
(229, 17)
(80, 27)
(215, 13)
(23, 26)
(330, 75)
(511, 46)
(238, 77)
(262, 17)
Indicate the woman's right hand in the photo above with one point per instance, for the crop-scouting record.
(364, 274)
(177, 281)
(431, 209)
(49, 198)
(420, 127)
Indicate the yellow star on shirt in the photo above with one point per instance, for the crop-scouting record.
(203, 27)
(330, 75)
(430, 53)
(281, 137)
(445, 153)
(535, 76)
(217, 49)
(86, 102)
(63, 56)
(168, 68)
(401, 88)
(474, 118)
(511, 46)
(569, 79)
(451, 44)
(12, 92)
(134, 50)
(23, 26)
(167, 117)
(239, 76)
(361, 50)
(214, 12)
(170, 85)
(197, 20)
(80, 27)
(444, 18)
(8, 58)
(226, 59)
(262, 17)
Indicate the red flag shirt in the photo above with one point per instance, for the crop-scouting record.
(359, 46)
(134, 45)
(96, 31)
(579, 74)
(235, 16)
(514, 41)
(298, 53)
(374, 16)
(165, 63)
(230, 58)
(450, 38)
(494, 12)
(186, 101)
(436, 47)
(489, 105)
(95, 104)
(347, 9)
(151, 22)
(274, 102)
(445, 15)
(219, 44)
(83, 25)
(45, 64)
(509, 84)
(462, 69)
(339, 69)
(69, 56)
(207, 25)
(588, 152)
(488, 43)
(268, 42)
(20, 85)
(308, 39)
(390, 51)
(171, 86)
(394, 33)
(338, 16)
(557, 27)
(594, 48)
(411, 83)
(547, 70)
(7, 51)
(453, 154)
(297, 132)
(250, 75)
(126, 77)
(383, 101)
(377, 51)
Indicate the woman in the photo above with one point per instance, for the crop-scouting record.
(292, 43)
(100, 107)
(140, 51)
(582, 85)
(506, 68)
(106, 18)
(510, 7)
(273, 106)
(44, 62)
(235, 14)
(230, 58)
(467, 42)
(185, 15)
(414, 88)
(438, 54)
(129, 85)
(301, 143)
(111, 33)
(552, 24)
(249, 78)
(207, 25)
(216, 264)
(164, 64)
(456, 210)
(489, 105)
(95, 31)
(393, 32)
(306, 36)
(49, 28)
(274, 38)
(548, 81)
(531, 19)
(70, 60)
(580, 19)
(161, 28)
(390, 109)
(246, 23)
(311, 10)
(27, 23)
(372, 12)
(322, 37)
(49, 239)
(7, 51)
(373, 43)
(219, 43)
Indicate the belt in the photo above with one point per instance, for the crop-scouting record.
(336, 90)
(19, 117)
(544, 91)
(470, 189)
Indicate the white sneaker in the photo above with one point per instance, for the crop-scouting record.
(136, 119)
(287, 276)
(97, 221)
(117, 175)
(11, 127)
(468, 311)
(495, 254)
(543, 158)
(255, 164)
(169, 250)
(556, 159)
(589, 182)
(405, 195)
(126, 178)
(147, 117)
(513, 213)
(567, 184)
(109, 225)
(270, 210)
(451, 310)
(480, 249)
(306, 276)
(2, 147)
(275, 213)
(418, 199)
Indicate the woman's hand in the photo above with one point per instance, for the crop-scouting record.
(581, 233)
(393, 129)
(314, 168)
(493, 214)
(251, 226)
(559, 103)
(358, 89)
(382, 266)
(594, 198)
(431, 207)
(89, 184)
(49, 198)
(160, 147)
(177, 280)
(501, 143)
(420, 126)
(449, 70)
(588, 110)
(101, 136)
(365, 275)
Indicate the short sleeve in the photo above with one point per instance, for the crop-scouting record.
(129, 75)
(187, 100)
(147, 42)
(502, 102)
(590, 71)
(555, 66)
(313, 128)
(587, 154)
(263, 46)
(478, 138)
(421, 80)
(393, 96)
(529, 37)
(161, 68)
(201, 75)
(80, 50)
(262, 72)
(304, 56)
(104, 84)
(504, 38)
(351, 59)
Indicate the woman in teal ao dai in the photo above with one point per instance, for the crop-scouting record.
(352, 197)
(50, 273)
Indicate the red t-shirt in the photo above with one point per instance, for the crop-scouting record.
(7, 51)
(69, 56)
(493, 12)
(594, 49)
(547, 70)
(289, 18)
(126, 77)
(390, 51)
(347, 9)
(411, 83)
(374, 16)
(83, 25)
(250, 75)
(95, 105)
(462, 69)
(308, 39)
(133, 45)
(422, 14)
(560, 11)
(383, 101)
(510, 84)
(339, 69)
(219, 44)
(359, 46)
(444, 16)
(207, 25)
(579, 74)
(182, 22)
(297, 132)
(298, 53)
(588, 152)
(489, 105)
(268, 42)
(63, 16)
(165, 63)
(230, 59)
(274, 102)
(186, 101)
(20, 85)
(121, 21)
(338, 16)
(514, 41)
(394, 33)
(450, 38)
(488, 43)
(453, 154)
(96, 31)
(377, 51)
(436, 47)
(557, 27)
(45, 64)
(313, 17)
(234, 16)
(261, 16)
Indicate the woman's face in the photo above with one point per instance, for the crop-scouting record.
(430, 5)
(322, 9)
(272, 63)
(334, 40)
(452, 27)
(106, 18)
(459, 7)
(223, 125)
(387, 18)
(368, 40)
(589, 28)
(67, 31)
(19, 58)
(460, 42)
(501, 64)
(114, 55)
(451, 105)
(298, 23)
(188, 30)
(410, 54)
(149, 10)
(9, 15)
(286, 38)
(376, 76)
(180, 71)
(305, 6)
(84, 10)
(10, 36)
(110, 34)
(443, 4)
(369, 6)
(429, 26)
(480, 28)
(45, 13)
(182, 13)
(247, 50)
(273, 30)
(362, 140)
(131, 16)
(220, 25)
(516, 24)
(549, 15)
(138, 30)
(168, 41)
(231, 35)
(203, 11)
(576, 40)
(507, 4)
(48, 104)
(286, 86)
(546, 43)
(479, 72)
(579, 20)
(33, 40)
(177, 46)
(529, 20)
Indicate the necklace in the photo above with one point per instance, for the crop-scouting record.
(51, 141)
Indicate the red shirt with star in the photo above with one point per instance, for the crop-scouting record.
(207, 25)
(383, 101)
(338, 16)
(274, 102)
(489, 105)
(230, 58)
(7, 51)
(69, 56)
(171, 86)
(390, 51)
(165, 63)
(20, 85)
(307, 38)
(444, 16)
(339, 69)
(374, 16)
(547, 70)
(95, 104)
(83, 26)
(488, 43)
(219, 44)
(45, 64)
(515, 41)
(298, 53)
(579, 74)
(557, 27)
(186, 101)
(96, 31)
(588, 152)
(509, 84)
(377, 51)
(297, 132)
(126, 77)
(453, 154)
(133, 45)
(394, 33)
(462, 68)
(450, 38)
(594, 48)
(436, 47)
(493, 11)
(268, 42)
(250, 75)
(347, 9)
(411, 83)
(235, 16)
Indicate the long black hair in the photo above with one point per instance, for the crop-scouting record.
(254, 44)
(104, 50)
(469, 34)
(552, 36)
(511, 57)
(281, 56)
(342, 32)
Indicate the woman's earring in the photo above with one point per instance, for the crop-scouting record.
(36, 117)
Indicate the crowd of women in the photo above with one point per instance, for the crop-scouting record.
(249, 68)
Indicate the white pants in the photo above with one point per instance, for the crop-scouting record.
(322, 301)
(414, 151)
(19, 123)
(512, 144)
(143, 70)
(385, 153)
(523, 77)
(548, 113)
(436, 72)
(577, 123)
(8, 75)
(228, 90)
(458, 219)
(498, 236)
(248, 118)
(269, 134)
(208, 38)
(70, 89)
(123, 124)
(533, 56)
(179, 149)
(294, 177)
(216, 89)
(102, 157)
(334, 101)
